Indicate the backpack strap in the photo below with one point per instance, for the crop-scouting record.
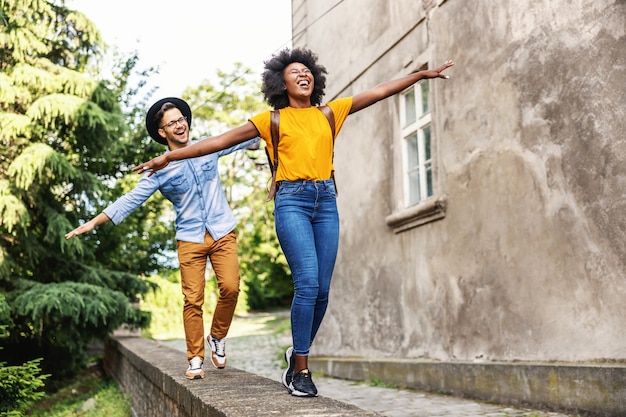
(275, 132)
(330, 116)
(328, 112)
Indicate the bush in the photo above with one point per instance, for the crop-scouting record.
(57, 321)
(20, 386)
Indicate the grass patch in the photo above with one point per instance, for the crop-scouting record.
(382, 384)
(89, 394)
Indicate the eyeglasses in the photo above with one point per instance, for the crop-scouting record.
(180, 121)
(296, 71)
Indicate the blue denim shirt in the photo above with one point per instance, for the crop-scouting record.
(194, 188)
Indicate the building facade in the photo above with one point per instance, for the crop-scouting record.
(482, 217)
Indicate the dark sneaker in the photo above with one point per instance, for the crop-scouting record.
(195, 370)
(291, 364)
(218, 352)
(302, 385)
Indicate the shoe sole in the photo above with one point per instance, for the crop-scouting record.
(213, 361)
(191, 378)
(301, 394)
(217, 365)
(287, 359)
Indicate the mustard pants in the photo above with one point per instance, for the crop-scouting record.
(193, 261)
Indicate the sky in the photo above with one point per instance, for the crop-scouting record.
(189, 40)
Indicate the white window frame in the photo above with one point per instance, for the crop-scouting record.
(417, 129)
(429, 206)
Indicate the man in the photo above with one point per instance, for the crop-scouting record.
(205, 227)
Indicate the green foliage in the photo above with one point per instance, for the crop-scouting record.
(20, 386)
(68, 137)
(165, 305)
(81, 307)
(59, 321)
(5, 317)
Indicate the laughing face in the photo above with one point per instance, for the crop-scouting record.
(299, 82)
(174, 129)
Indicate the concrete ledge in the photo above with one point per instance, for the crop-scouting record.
(153, 376)
(585, 389)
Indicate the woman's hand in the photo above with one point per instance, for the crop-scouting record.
(437, 73)
(389, 88)
(152, 165)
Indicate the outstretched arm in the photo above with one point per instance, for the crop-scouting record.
(216, 143)
(389, 88)
(89, 226)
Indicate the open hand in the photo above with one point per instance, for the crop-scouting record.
(83, 228)
(437, 73)
(152, 165)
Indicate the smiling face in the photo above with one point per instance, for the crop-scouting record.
(174, 129)
(299, 83)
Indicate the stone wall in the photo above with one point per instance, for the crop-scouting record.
(153, 376)
(519, 257)
(575, 389)
(526, 258)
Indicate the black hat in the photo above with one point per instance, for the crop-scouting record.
(152, 127)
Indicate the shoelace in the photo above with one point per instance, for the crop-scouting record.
(195, 363)
(220, 347)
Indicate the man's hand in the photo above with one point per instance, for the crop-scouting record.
(85, 228)
(152, 165)
(89, 226)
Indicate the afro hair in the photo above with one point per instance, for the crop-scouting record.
(273, 87)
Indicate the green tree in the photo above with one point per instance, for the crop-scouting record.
(266, 277)
(68, 138)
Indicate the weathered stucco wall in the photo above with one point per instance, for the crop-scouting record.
(529, 262)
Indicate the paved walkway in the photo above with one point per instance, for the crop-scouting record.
(254, 346)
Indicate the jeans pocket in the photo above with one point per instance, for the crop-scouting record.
(331, 189)
(289, 188)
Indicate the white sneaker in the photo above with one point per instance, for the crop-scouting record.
(195, 370)
(218, 352)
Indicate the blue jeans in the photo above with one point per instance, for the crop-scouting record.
(307, 226)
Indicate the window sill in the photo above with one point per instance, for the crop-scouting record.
(422, 213)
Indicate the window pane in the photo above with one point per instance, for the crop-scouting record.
(425, 93)
(414, 188)
(429, 180)
(426, 132)
(410, 111)
(412, 154)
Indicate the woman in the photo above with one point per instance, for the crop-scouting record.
(307, 223)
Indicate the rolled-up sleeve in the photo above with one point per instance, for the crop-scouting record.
(130, 201)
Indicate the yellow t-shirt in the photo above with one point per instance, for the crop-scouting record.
(305, 148)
